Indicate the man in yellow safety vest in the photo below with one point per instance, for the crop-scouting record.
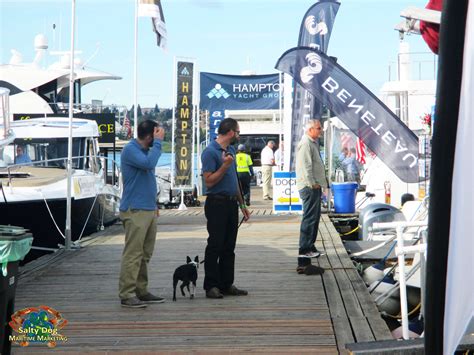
(245, 171)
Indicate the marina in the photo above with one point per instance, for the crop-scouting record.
(284, 313)
(386, 159)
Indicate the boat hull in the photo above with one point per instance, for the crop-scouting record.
(34, 216)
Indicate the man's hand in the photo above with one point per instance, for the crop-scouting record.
(159, 133)
(246, 214)
(228, 160)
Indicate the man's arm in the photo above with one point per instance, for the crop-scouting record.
(307, 165)
(212, 178)
(135, 158)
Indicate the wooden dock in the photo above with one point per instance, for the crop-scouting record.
(284, 312)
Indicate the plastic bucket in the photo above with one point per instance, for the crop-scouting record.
(344, 196)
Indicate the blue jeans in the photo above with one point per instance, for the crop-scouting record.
(311, 215)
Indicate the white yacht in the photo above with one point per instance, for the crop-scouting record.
(33, 186)
(35, 89)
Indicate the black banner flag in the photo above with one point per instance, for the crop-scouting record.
(315, 32)
(183, 127)
(365, 115)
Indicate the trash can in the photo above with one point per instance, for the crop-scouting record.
(14, 245)
(344, 196)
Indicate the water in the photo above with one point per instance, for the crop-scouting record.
(164, 161)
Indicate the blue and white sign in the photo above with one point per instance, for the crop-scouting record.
(285, 194)
(239, 92)
(215, 118)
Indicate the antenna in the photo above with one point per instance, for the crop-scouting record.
(97, 48)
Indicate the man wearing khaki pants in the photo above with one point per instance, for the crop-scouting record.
(138, 213)
(267, 158)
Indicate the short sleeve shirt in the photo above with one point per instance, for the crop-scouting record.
(267, 156)
(212, 159)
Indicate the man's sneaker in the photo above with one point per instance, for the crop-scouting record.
(132, 302)
(214, 292)
(149, 298)
(234, 291)
(310, 254)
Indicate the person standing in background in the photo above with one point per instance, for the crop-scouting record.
(244, 171)
(310, 180)
(279, 156)
(267, 159)
(21, 156)
(138, 212)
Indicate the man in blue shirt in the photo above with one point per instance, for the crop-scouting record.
(138, 213)
(222, 211)
(21, 156)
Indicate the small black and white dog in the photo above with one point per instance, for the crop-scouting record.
(186, 273)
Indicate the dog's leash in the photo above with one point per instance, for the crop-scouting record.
(241, 221)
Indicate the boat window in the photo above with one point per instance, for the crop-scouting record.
(92, 162)
(51, 152)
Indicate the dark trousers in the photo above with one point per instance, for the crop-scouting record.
(222, 219)
(311, 216)
(245, 183)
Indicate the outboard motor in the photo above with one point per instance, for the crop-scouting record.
(376, 213)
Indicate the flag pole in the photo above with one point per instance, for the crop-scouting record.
(135, 75)
(67, 231)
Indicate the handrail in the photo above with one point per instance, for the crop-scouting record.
(37, 162)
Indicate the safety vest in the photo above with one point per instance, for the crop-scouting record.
(243, 161)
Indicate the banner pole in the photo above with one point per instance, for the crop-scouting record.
(135, 75)
(68, 230)
(182, 206)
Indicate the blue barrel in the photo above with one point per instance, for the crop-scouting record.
(344, 196)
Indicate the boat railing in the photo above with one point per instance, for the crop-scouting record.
(421, 66)
(61, 163)
(400, 251)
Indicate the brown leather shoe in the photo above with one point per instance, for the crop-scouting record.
(214, 292)
(234, 291)
(300, 269)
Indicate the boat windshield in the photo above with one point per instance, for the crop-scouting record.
(51, 152)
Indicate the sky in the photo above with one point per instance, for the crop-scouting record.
(223, 36)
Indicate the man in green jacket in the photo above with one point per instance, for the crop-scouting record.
(310, 180)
